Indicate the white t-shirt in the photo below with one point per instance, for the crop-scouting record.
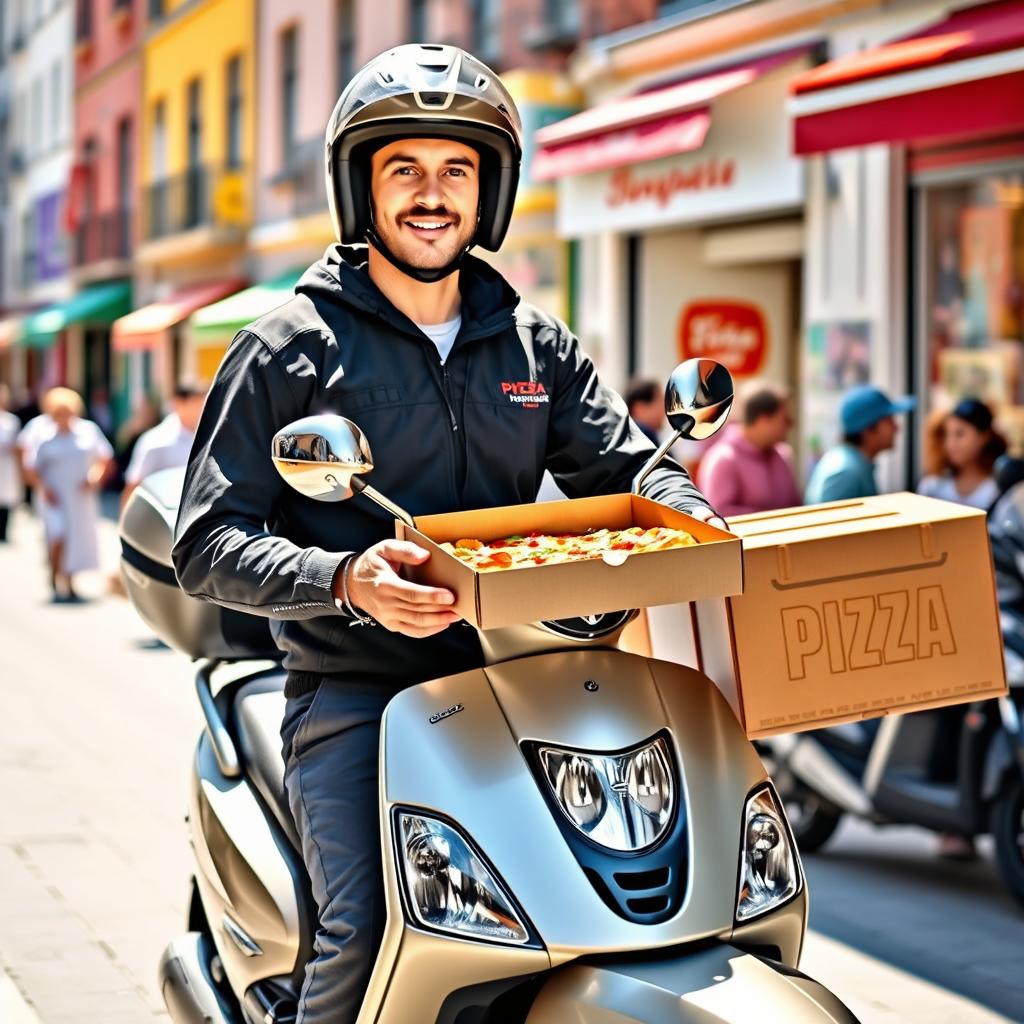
(11, 490)
(944, 487)
(34, 433)
(165, 446)
(442, 335)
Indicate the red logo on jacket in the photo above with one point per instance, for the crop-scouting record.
(530, 394)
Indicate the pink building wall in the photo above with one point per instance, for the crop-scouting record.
(113, 36)
(98, 112)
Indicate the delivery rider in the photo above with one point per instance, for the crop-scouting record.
(466, 394)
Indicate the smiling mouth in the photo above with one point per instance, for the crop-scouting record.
(427, 228)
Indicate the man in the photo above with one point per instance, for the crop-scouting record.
(645, 400)
(11, 488)
(169, 443)
(751, 468)
(868, 418)
(422, 345)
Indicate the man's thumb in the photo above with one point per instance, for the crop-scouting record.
(403, 552)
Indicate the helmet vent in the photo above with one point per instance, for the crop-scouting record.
(386, 77)
(433, 99)
(434, 67)
(482, 81)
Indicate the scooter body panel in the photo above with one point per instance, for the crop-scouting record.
(717, 985)
(246, 872)
(468, 766)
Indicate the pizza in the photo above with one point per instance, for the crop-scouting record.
(523, 550)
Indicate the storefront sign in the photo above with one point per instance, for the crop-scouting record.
(744, 167)
(733, 333)
(630, 186)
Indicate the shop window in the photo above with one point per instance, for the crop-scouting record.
(233, 119)
(289, 95)
(418, 21)
(346, 42)
(972, 313)
(486, 15)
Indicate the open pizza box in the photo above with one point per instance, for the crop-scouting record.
(713, 567)
(850, 610)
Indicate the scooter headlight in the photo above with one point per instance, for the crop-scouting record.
(769, 875)
(620, 801)
(449, 887)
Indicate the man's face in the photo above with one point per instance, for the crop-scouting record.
(188, 410)
(772, 429)
(881, 436)
(425, 198)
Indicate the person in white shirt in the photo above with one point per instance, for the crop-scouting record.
(68, 467)
(11, 489)
(169, 443)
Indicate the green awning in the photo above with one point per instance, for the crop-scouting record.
(219, 322)
(97, 304)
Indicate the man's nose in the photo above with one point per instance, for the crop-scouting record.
(430, 193)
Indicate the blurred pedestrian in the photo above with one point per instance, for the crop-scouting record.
(68, 467)
(169, 443)
(144, 416)
(868, 419)
(10, 469)
(751, 469)
(645, 400)
(962, 448)
(36, 429)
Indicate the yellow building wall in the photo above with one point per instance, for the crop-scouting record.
(199, 44)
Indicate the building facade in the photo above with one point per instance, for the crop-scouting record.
(41, 84)
(197, 177)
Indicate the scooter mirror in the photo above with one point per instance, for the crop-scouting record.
(698, 398)
(326, 457)
(319, 456)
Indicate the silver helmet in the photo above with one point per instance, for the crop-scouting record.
(421, 90)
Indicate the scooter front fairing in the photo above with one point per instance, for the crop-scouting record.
(457, 750)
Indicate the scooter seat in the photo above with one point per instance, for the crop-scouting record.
(259, 709)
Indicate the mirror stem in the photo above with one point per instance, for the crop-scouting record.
(361, 487)
(653, 461)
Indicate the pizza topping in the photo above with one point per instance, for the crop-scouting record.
(544, 549)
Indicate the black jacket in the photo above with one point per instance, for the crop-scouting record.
(516, 395)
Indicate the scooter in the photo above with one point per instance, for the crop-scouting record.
(570, 833)
(956, 770)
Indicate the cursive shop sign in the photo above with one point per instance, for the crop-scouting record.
(677, 190)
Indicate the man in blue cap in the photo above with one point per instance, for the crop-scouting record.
(868, 417)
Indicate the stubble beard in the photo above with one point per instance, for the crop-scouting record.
(424, 255)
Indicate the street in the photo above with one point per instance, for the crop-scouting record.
(96, 732)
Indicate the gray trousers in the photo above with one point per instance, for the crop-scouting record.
(331, 741)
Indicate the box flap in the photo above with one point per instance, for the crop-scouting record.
(844, 518)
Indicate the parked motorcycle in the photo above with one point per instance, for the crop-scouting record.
(570, 833)
(957, 770)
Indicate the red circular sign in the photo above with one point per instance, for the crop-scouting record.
(733, 333)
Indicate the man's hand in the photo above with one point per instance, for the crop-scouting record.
(375, 588)
(707, 515)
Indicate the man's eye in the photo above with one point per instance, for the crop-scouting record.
(406, 170)
(457, 171)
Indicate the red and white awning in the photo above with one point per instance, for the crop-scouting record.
(662, 122)
(962, 77)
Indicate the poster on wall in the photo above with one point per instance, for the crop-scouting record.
(837, 357)
(731, 332)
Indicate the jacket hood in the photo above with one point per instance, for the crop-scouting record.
(342, 276)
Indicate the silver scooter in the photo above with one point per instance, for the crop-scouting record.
(570, 833)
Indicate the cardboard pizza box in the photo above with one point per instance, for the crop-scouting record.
(854, 610)
(711, 568)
